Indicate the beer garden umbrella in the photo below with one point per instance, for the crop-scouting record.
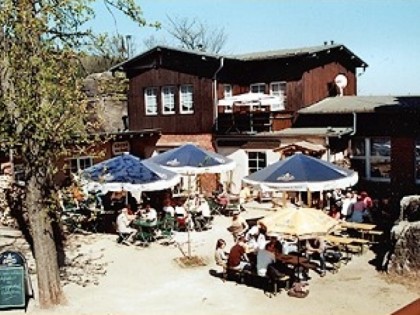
(190, 160)
(300, 172)
(299, 222)
(129, 173)
(302, 223)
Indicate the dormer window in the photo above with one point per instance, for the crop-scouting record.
(279, 89)
(168, 100)
(186, 101)
(150, 101)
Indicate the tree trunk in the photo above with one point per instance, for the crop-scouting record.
(49, 288)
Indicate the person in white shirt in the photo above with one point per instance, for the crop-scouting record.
(346, 206)
(123, 226)
(150, 215)
(168, 209)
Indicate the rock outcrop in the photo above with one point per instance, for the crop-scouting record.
(404, 256)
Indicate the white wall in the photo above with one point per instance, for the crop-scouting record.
(240, 156)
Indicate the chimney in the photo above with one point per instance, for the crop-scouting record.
(325, 43)
(332, 42)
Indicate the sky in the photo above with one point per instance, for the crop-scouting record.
(383, 33)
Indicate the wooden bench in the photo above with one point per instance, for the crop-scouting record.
(240, 275)
(373, 235)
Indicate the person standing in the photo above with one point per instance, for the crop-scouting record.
(238, 225)
(346, 206)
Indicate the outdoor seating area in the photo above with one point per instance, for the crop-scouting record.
(279, 250)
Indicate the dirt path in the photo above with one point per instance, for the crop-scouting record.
(149, 281)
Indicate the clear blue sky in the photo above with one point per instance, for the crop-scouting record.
(384, 33)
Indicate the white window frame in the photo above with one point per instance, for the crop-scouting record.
(150, 101)
(368, 158)
(257, 88)
(80, 163)
(260, 165)
(279, 88)
(168, 100)
(227, 90)
(417, 160)
(186, 99)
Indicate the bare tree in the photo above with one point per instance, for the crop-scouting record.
(190, 33)
(108, 51)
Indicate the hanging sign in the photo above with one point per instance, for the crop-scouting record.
(120, 147)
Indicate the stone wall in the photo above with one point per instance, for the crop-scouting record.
(404, 256)
(13, 240)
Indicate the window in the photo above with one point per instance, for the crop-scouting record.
(150, 101)
(80, 163)
(258, 88)
(371, 158)
(168, 100)
(279, 89)
(256, 161)
(380, 157)
(417, 152)
(227, 90)
(186, 99)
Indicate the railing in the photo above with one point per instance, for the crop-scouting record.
(250, 122)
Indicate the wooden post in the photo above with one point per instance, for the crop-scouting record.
(284, 198)
(309, 199)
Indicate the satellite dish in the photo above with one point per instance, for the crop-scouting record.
(341, 81)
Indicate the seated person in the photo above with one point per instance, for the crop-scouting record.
(251, 238)
(168, 209)
(204, 212)
(123, 226)
(149, 214)
(222, 198)
(220, 255)
(265, 257)
(316, 247)
(289, 246)
(182, 216)
(238, 259)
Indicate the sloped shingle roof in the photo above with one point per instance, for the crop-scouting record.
(362, 104)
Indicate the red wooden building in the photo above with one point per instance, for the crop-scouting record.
(177, 91)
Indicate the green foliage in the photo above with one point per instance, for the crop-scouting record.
(42, 108)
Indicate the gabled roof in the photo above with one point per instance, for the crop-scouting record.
(304, 51)
(256, 56)
(362, 104)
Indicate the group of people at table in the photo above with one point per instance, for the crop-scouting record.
(266, 255)
(192, 211)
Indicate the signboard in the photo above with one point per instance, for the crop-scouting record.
(12, 287)
(120, 147)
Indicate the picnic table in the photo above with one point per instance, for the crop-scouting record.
(346, 242)
(363, 228)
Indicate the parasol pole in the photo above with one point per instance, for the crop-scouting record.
(309, 198)
(283, 198)
(189, 216)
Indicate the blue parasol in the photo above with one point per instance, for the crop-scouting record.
(128, 172)
(300, 172)
(191, 159)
